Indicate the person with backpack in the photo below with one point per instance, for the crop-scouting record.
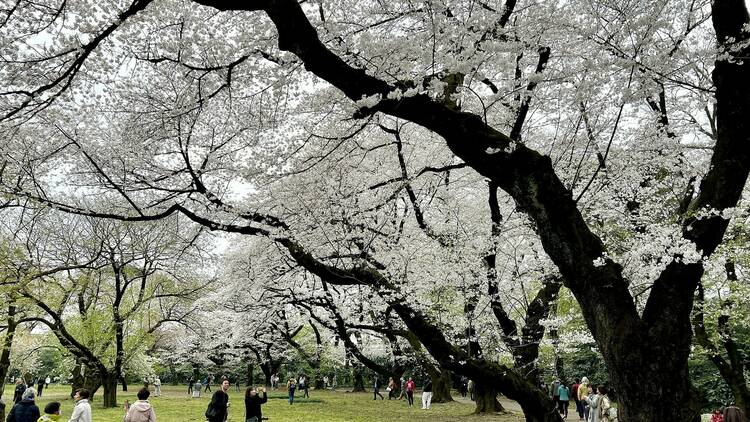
(599, 405)
(291, 385)
(141, 410)
(252, 404)
(218, 408)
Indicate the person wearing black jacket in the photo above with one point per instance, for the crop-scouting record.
(219, 407)
(427, 394)
(252, 404)
(18, 393)
(26, 410)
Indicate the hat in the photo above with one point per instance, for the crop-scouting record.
(30, 393)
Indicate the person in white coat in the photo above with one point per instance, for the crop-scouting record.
(82, 411)
(157, 387)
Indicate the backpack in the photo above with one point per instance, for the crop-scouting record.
(211, 412)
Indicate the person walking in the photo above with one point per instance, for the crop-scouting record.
(472, 390)
(218, 407)
(141, 410)
(39, 386)
(190, 385)
(82, 410)
(563, 399)
(303, 385)
(583, 390)
(402, 394)
(252, 404)
(26, 410)
(574, 394)
(554, 387)
(197, 389)
(376, 389)
(208, 381)
(157, 386)
(464, 388)
(427, 394)
(291, 385)
(18, 392)
(237, 384)
(51, 412)
(391, 388)
(46, 384)
(410, 386)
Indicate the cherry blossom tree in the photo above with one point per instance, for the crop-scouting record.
(620, 131)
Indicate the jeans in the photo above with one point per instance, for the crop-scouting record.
(291, 395)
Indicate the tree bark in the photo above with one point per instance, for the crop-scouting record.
(124, 383)
(7, 344)
(109, 382)
(358, 380)
(486, 399)
(441, 386)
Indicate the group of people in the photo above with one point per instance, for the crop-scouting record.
(591, 400)
(408, 386)
(26, 410)
(218, 407)
(302, 384)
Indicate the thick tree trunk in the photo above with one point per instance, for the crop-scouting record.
(89, 380)
(486, 400)
(358, 381)
(109, 382)
(7, 344)
(441, 387)
(266, 373)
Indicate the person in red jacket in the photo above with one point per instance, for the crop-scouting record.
(410, 386)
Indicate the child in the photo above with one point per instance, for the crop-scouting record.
(51, 412)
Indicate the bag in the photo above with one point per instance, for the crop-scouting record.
(211, 412)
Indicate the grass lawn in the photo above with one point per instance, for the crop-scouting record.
(325, 406)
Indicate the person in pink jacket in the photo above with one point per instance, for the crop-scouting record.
(141, 410)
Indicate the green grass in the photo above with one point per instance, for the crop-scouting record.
(325, 406)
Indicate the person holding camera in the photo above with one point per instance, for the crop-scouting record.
(252, 404)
